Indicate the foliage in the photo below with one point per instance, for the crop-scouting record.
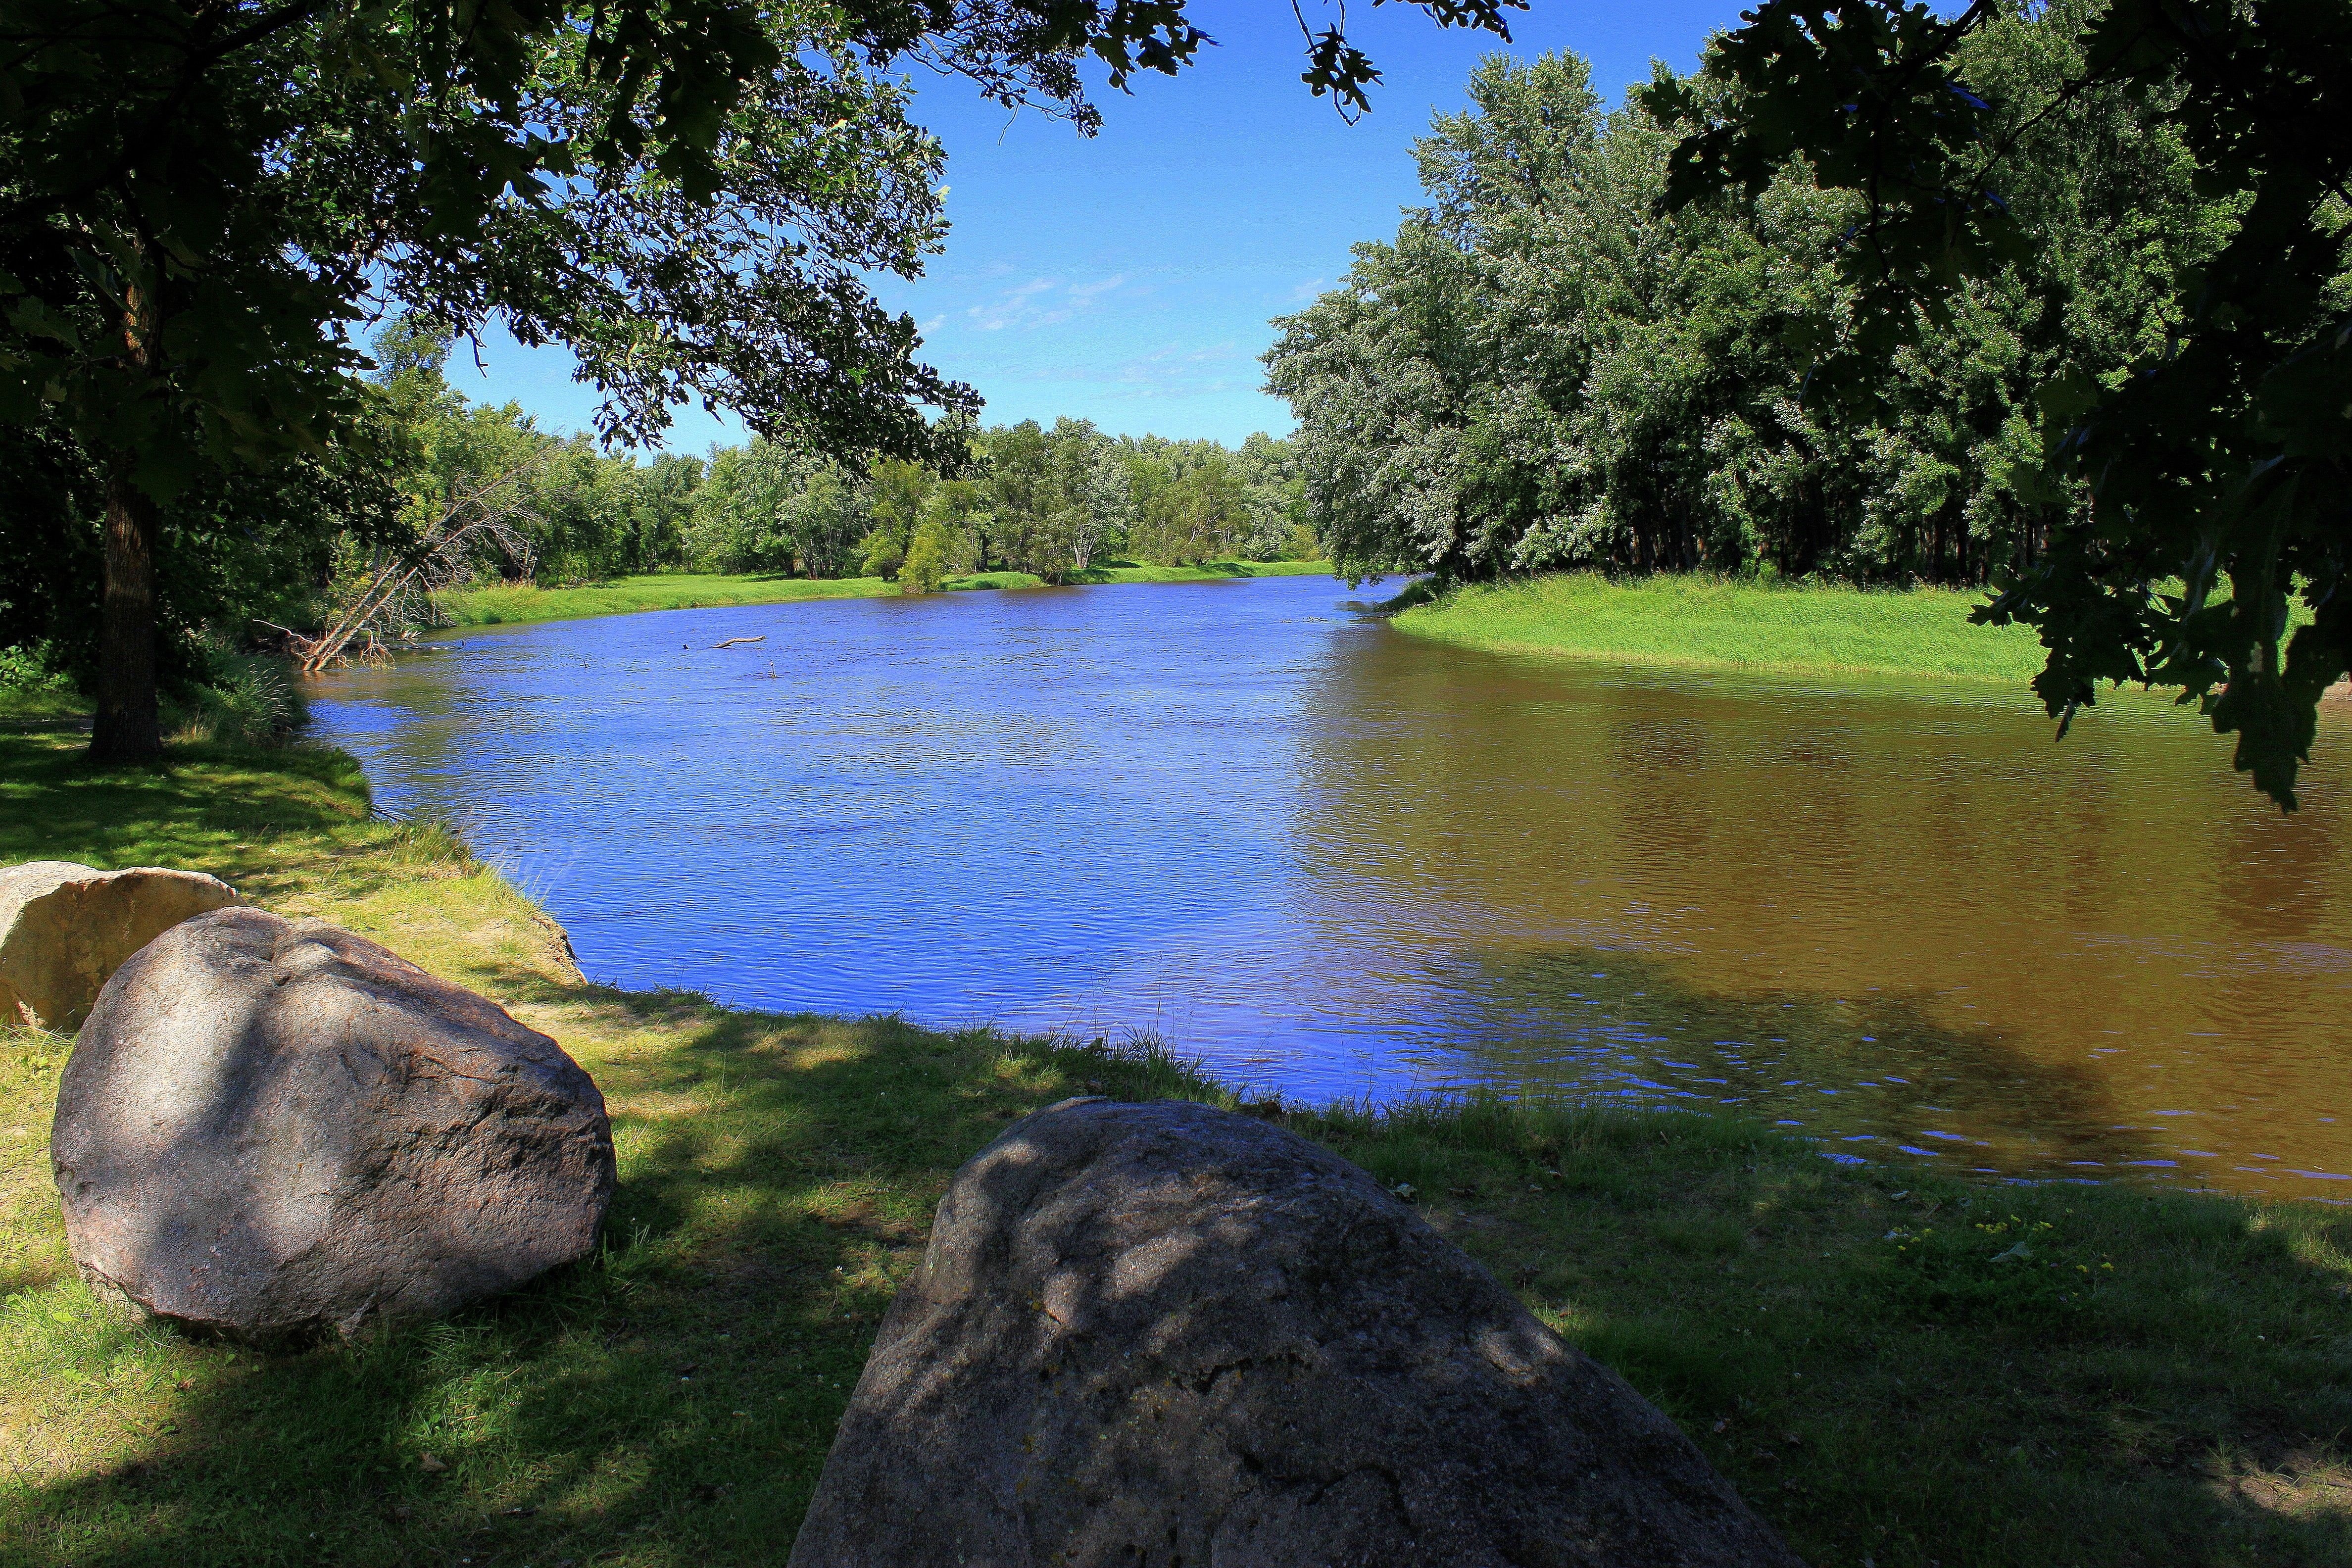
(1055, 504)
(1543, 369)
(32, 688)
(2213, 459)
(881, 552)
(247, 700)
(925, 569)
(241, 550)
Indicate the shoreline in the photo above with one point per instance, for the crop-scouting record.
(1694, 623)
(530, 604)
(1887, 1361)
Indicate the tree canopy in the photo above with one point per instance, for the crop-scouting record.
(1545, 369)
(200, 199)
(1730, 325)
(2211, 471)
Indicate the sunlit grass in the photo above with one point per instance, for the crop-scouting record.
(526, 604)
(2153, 1379)
(1699, 620)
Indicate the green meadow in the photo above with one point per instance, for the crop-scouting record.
(1702, 621)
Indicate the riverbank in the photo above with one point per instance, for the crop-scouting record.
(1893, 1366)
(528, 603)
(1716, 622)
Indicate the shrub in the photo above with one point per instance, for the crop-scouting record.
(247, 701)
(27, 670)
(925, 569)
(883, 552)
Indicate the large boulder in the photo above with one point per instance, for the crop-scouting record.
(1164, 1334)
(64, 929)
(272, 1127)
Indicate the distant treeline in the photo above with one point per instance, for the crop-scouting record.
(1543, 369)
(1050, 502)
(284, 549)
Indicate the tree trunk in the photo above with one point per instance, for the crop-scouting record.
(127, 729)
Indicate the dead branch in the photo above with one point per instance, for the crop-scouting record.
(401, 583)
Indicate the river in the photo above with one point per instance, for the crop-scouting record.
(1338, 861)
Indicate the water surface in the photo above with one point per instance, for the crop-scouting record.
(1337, 861)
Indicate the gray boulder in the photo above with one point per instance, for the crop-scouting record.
(272, 1127)
(65, 928)
(1155, 1335)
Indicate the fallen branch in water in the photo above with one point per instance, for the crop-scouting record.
(731, 642)
(398, 580)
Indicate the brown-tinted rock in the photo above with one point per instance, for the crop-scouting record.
(65, 929)
(1164, 1335)
(272, 1127)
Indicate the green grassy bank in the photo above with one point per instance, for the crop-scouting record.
(1702, 621)
(1895, 1368)
(528, 603)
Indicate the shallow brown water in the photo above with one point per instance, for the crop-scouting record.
(1339, 860)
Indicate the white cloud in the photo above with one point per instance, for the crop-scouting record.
(1041, 302)
(1016, 307)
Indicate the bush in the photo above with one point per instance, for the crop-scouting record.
(28, 670)
(925, 569)
(31, 684)
(883, 551)
(247, 700)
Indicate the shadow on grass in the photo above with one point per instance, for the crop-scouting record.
(257, 820)
(1898, 1364)
(669, 1401)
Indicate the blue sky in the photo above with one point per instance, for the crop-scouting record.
(1129, 278)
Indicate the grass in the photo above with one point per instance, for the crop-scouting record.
(527, 604)
(1713, 621)
(40, 705)
(1894, 1367)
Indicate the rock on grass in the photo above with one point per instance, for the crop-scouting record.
(66, 928)
(274, 1128)
(1165, 1334)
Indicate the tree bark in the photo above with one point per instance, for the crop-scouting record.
(127, 729)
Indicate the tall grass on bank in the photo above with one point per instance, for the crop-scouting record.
(1896, 1367)
(527, 604)
(241, 700)
(1699, 620)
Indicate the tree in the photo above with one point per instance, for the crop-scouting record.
(200, 197)
(656, 509)
(739, 520)
(1545, 370)
(925, 569)
(1020, 488)
(2219, 460)
(828, 520)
